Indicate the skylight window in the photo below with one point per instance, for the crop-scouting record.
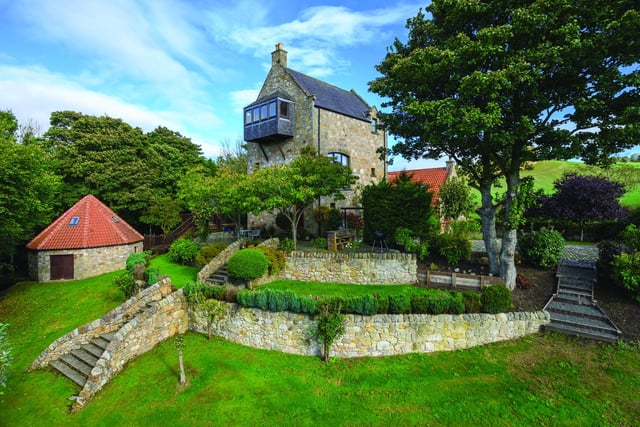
(115, 219)
(75, 220)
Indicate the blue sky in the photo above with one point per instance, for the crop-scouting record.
(187, 65)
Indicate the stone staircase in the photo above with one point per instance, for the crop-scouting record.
(573, 310)
(77, 364)
(219, 277)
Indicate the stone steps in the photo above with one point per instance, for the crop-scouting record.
(572, 309)
(219, 277)
(77, 364)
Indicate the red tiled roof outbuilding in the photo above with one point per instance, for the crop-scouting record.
(433, 177)
(87, 224)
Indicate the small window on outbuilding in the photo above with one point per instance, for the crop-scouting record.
(75, 220)
(374, 125)
(373, 171)
(115, 219)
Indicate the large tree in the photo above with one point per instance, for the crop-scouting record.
(494, 84)
(292, 188)
(121, 165)
(29, 188)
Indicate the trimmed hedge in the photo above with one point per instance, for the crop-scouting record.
(432, 301)
(247, 264)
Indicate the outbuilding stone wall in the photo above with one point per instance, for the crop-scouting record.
(87, 262)
(379, 335)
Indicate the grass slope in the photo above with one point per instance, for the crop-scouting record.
(538, 380)
(547, 172)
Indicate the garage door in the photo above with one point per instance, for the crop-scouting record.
(61, 267)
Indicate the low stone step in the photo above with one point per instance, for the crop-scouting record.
(93, 349)
(108, 336)
(77, 364)
(572, 295)
(85, 356)
(100, 342)
(575, 283)
(579, 273)
(586, 333)
(69, 372)
(594, 325)
(590, 311)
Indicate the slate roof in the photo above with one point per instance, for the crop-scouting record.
(332, 97)
(433, 177)
(87, 224)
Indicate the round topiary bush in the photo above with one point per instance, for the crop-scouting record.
(542, 248)
(247, 264)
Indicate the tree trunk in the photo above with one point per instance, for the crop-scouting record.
(507, 261)
(510, 236)
(487, 214)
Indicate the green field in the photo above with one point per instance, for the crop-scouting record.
(545, 173)
(538, 380)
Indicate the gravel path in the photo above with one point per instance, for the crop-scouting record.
(572, 252)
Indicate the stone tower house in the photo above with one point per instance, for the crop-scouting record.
(294, 110)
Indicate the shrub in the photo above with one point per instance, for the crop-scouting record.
(382, 304)
(456, 303)
(626, 272)
(183, 251)
(495, 299)
(399, 304)
(420, 303)
(277, 259)
(542, 248)
(151, 275)
(125, 283)
(453, 247)
(329, 327)
(287, 245)
(6, 356)
(247, 264)
(405, 238)
(364, 305)
(136, 258)
(608, 250)
(209, 252)
(471, 301)
(631, 237)
(320, 243)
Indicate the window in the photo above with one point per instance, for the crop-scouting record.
(284, 109)
(373, 171)
(263, 112)
(256, 114)
(247, 117)
(340, 158)
(75, 220)
(374, 125)
(115, 219)
(272, 109)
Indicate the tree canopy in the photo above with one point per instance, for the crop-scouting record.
(497, 83)
(293, 187)
(30, 188)
(121, 165)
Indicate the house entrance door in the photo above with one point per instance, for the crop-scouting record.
(61, 267)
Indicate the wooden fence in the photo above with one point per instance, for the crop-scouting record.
(442, 279)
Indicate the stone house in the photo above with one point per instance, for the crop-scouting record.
(294, 110)
(87, 240)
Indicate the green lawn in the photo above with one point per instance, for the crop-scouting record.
(180, 274)
(538, 380)
(341, 290)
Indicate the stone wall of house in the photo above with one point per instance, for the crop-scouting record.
(355, 268)
(87, 262)
(379, 335)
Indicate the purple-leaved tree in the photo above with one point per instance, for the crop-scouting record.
(584, 199)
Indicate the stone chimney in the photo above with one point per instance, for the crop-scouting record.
(451, 168)
(279, 56)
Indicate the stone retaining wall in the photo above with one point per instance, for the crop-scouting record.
(155, 324)
(380, 335)
(110, 322)
(219, 261)
(353, 268)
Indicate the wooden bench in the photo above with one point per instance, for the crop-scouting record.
(339, 239)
